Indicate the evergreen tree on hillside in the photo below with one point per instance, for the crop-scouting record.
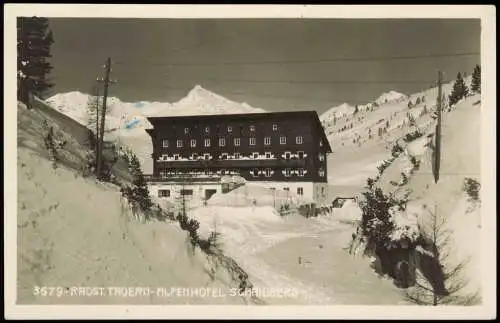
(476, 79)
(34, 39)
(460, 90)
(140, 191)
(356, 109)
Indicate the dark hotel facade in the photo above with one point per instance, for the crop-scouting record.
(283, 150)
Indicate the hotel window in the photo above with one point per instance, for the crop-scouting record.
(163, 174)
(186, 130)
(186, 192)
(321, 173)
(207, 129)
(300, 191)
(255, 155)
(283, 140)
(223, 156)
(267, 141)
(176, 156)
(286, 189)
(252, 141)
(287, 172)
(206, 156)
(301, 172)
(195, 156)
(252, 128)
(237, 141)
(193, 142)
(165, 143)
(163, 193)
(254, 172)
(268, 172)
(298, 140)
(268, 155)
(321, 157)
(207, 142)
(275, 127)
(287, 155)
(222, 142)
(237, 156)
(300, 154)
(179, 143)
(229, 129)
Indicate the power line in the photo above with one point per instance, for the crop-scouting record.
(230, 80)
(326, 60)
(266, 95)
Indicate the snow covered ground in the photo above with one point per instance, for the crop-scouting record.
(305, 255)
(309, 254)
(76, 232)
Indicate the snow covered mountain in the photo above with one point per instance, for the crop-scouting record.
(390, 97)
(346, 109)
(128, 115)
(340, 111)
(126, 121)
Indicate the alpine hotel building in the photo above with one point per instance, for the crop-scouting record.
(284, 151)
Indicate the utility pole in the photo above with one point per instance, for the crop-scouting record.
(437, 149)
(106, 82)
(96, 92)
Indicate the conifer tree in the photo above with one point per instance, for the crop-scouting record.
(445, 286)
(459, 90)
(476, 79)
(140, 191)
(34, 39)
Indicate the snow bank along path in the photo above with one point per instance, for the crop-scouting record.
(76, 232)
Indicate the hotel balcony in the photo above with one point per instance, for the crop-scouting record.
(233, 163)
(180, 178)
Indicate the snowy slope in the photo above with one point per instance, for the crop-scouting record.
(459, 160)
(126, 121)
(339, 111)
(357, 147)
(269, 247)
(75, 232)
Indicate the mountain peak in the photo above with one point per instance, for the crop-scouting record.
(200, 91)
(390, 96)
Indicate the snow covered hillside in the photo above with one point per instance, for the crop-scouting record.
(412, 173)
(126, 121)
(76, 232)
(363, 144)
(362, 140)
(307, 256)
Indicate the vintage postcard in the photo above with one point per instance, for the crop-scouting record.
(240, 161)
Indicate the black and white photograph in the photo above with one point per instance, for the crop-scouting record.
(221, 157)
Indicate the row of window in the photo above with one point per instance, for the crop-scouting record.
(230, 129)
(166, 193)
(189, 192)
(225, 156)
(173, 172)
(267, 172)
(252, 141)
(287, 172)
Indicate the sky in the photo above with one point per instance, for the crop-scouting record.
(274, 64)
